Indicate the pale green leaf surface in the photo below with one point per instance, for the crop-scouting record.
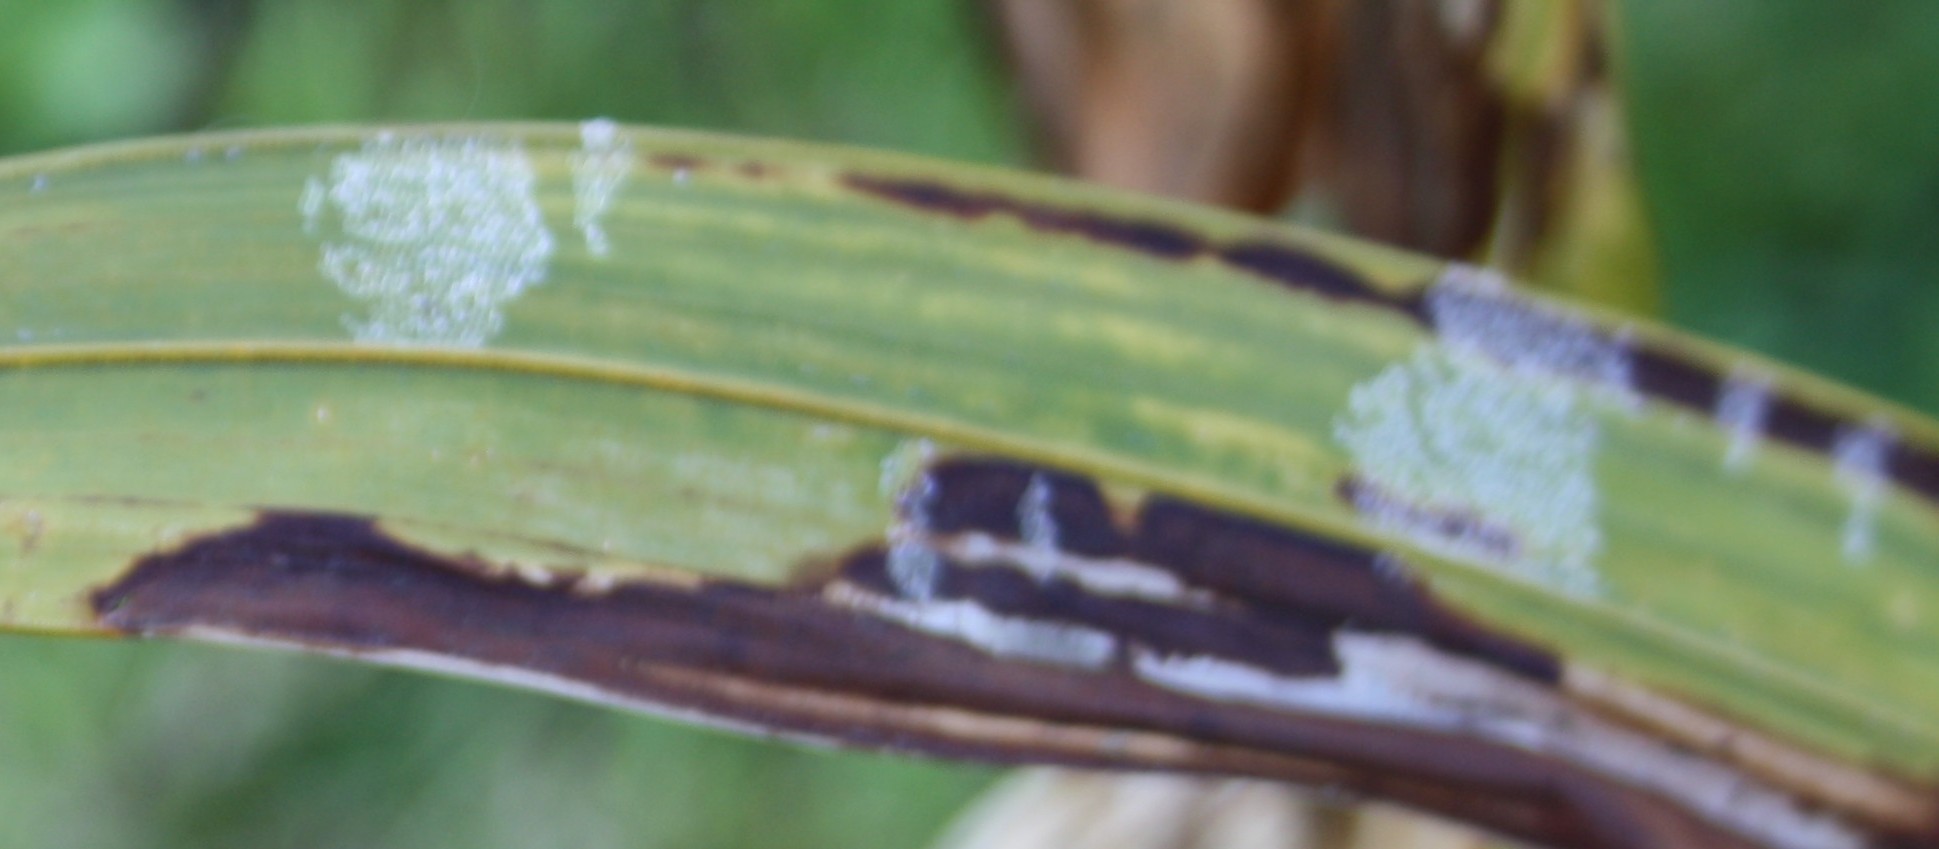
(716, 392)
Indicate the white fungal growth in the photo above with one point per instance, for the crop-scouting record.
(1475, 311)
(1470, 462)
(1038, 527)
(433, 235)
(1743, 407)
(913, 564)
(599, 169)
(1859, 455)
(1482, 445)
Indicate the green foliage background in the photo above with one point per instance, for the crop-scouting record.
(1790, 162)
(1786, 149)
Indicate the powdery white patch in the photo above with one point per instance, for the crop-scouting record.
(1859, 455)
(1039, 641)
(913, 565)
(1403, 681)
(1038, 527)
(599, 169)
(1743, 407)
(1474, 310)
(433, 235)
(1482, 445)
(1469, 461)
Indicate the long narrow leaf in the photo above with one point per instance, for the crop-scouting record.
(862, 448)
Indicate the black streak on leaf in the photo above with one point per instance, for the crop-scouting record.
(1659, 373)
(1289, 577)
(791, 659)
(337, 582)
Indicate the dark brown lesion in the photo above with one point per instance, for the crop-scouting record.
(1255, 568)
(1283, 645)
(1282, 264)
(1148, 237)
(983, 495)
(794, 659)
(1672, 378)
(781, 659)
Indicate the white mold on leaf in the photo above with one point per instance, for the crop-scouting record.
(1039, 528)
(1482, 445)
(599, 169)
(1860, 455)
(1743, 407)
(1468, 462)
(913, 564)
(1475, 311)
(432, 234)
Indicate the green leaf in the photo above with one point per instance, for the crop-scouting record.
(867, 448)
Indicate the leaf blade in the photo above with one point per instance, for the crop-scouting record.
(752, 295)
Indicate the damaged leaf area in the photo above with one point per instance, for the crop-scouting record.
(860, 449)
(1042, 629)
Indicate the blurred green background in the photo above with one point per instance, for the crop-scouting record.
(1789, 154)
